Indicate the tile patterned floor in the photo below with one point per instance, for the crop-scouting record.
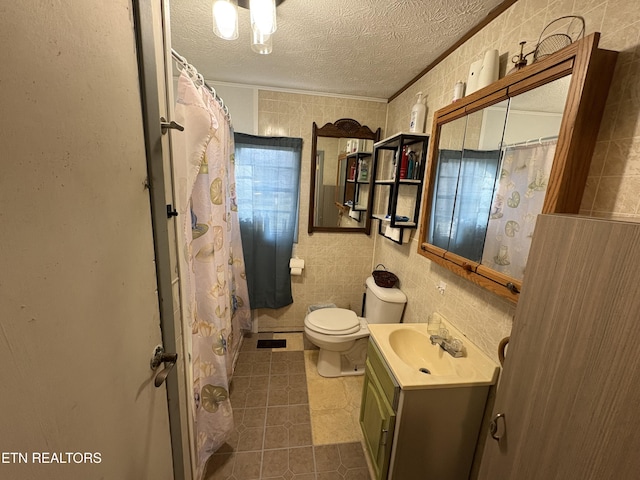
(273, 435)
(334, 404)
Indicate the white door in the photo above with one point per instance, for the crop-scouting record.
(78, 305)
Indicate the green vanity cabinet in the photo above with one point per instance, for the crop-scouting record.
(426, 432)
(378, 411)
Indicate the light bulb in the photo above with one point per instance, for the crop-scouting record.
(263, 16)
(261, 43)
(225, 19)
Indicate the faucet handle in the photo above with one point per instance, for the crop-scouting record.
(444, 334)
(456, 345)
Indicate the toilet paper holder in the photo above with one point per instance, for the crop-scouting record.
(296, 266)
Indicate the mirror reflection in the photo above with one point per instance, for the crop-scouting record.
(327, 187)
(528, 149)
(466, 177)
(491, 173)
(340, 188)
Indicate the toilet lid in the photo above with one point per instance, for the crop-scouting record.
(333, 321)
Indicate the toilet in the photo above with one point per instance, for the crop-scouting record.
(342, 336)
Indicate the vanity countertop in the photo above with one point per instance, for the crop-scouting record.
(417, 364)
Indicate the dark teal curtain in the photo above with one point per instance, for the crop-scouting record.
(465, 185)
(267, 182)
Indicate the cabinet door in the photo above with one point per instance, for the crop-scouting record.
(570, 389)
(377, 420)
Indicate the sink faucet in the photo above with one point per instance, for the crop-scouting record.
(453, 346)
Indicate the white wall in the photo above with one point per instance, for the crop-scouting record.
(242, 102)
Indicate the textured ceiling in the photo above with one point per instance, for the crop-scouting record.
(369, 48)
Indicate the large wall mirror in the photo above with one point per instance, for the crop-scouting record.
(507, 153)
(341, 160)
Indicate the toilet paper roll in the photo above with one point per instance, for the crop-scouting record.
(296, 263)
(296, 272)
(490, 69)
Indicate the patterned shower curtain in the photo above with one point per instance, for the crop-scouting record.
(214, 289)
(519, 197)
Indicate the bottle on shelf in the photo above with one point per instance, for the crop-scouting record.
(411, 165)
(364, 170)
(418, 114)
(416, 170)
(404, 162)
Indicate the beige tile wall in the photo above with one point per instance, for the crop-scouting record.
(336, 265)
(613, 187)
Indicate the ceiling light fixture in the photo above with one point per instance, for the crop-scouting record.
(263, 16)
(263, 21)
(261, 43)
(225, 19)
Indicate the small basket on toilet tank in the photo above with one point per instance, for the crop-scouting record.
(383, 277)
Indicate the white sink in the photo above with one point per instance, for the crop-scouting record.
(416, 363)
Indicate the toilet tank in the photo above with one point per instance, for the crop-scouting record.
(383, 305)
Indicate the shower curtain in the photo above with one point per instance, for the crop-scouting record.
(522, 186)
(214, 288)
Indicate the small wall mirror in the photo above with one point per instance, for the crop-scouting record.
(341, 160)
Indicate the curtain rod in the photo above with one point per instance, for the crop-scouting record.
(193, 72)
(529, 142)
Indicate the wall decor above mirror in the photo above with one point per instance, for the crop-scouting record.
(341, 162)
(506, 153)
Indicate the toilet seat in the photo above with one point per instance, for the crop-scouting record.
(333, 321)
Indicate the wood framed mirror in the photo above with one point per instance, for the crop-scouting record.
(506, 153)
(341, 162)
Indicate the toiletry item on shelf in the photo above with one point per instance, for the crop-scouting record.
(418, 114)
(364, 170)
(404, 163)
(352, 171)
(458, 91)
(411, 165)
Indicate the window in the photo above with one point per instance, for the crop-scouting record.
(267, 171)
